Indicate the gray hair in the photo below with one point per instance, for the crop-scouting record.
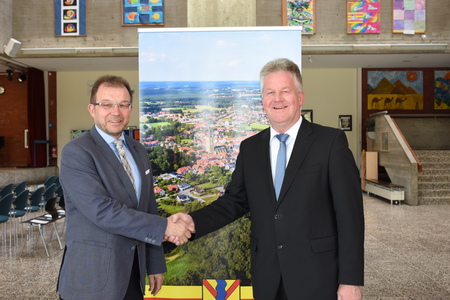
(281, 64)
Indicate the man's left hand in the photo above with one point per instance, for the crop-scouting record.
(349, 292)
(155, 281)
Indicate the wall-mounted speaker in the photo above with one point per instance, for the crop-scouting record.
(12, 47)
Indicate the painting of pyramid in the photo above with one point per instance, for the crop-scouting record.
(395, 90)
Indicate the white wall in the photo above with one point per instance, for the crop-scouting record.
(328, 92)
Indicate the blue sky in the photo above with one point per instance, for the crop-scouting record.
(219, 55)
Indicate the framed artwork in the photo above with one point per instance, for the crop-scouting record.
(299, 13)
(363, 16)
(408, 16)
(442, 89)
(395, 90)
(345, 122)
(385, 141)
(70, 17)
(76, 132)
(142, 12)
(307, 114)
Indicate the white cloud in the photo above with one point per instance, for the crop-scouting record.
(152, 56)
(225, 44)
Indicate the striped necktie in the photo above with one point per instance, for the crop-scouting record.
(123, 159)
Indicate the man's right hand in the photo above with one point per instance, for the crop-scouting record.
(179, 229)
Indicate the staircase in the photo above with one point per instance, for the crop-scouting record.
(434, 180)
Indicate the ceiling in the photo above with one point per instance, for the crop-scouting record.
(308, 61)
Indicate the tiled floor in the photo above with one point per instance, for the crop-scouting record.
(407, 256)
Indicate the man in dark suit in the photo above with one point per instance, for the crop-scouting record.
(114, 234)
(307, 238)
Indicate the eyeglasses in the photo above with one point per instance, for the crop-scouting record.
(110, 106)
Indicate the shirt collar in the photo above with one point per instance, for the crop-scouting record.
(291, 131)
(109, 139)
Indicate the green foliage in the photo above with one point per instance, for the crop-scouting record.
(166, 160)
(221, 254)
(167, 201)
(191, 177)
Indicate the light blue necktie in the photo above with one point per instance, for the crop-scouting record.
(281, 162)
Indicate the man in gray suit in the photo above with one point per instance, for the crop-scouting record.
(307, 232)
(114, 234)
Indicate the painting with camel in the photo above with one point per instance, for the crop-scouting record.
(395, 90)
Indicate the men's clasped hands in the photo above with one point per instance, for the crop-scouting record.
(180, 228)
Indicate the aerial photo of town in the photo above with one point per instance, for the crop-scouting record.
(193, 131)
(199, 98)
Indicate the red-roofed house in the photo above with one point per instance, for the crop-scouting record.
(173, 188)
(159, 191)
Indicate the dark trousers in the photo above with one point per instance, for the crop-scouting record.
(134, 291)
(281, 294)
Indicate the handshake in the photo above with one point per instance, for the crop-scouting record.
(180, 228)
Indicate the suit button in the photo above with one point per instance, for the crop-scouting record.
(280, 247)
(133, 247)
(277, 216)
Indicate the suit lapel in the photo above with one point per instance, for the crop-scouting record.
(301, 147)
(111, 157)
(263, 156)
(140, 164)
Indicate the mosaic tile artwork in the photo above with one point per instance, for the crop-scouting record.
(409, 16)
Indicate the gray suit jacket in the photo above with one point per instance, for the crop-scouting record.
(313, 236)
(105, 223)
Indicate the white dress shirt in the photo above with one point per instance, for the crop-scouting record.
(275, 145)
(134, 168)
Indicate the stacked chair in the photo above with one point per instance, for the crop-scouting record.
(18, 210)
(49, 193)
(7, 189)
(20, 187)
(35, 200)
(49, 181)
(18, 202)
(5, 208)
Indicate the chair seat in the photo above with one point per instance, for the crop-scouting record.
(3, 218)
(17, 213)
(32, 208)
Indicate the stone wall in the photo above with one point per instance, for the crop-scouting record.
(32, 22)
(33, 176)
(396, 157)
(426, 133)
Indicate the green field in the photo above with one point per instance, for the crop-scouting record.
(171, 209)
(208, 185)
(143, 120)
(176, 266)
(258, 126)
